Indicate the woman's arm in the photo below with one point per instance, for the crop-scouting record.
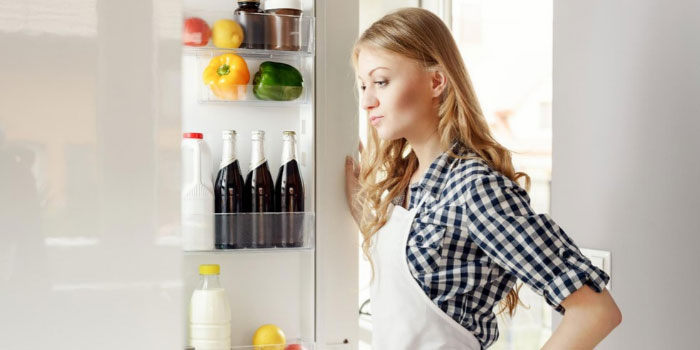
(535, 249)
(589, 318)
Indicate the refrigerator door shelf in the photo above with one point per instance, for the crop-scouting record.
(262, 289)
(245, 53)
(275, 250)
(295, 33)
(291, 345)
(244, 94)
(285, 228)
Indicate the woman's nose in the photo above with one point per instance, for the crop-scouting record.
(369, 101)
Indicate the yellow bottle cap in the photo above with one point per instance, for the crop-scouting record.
(212, 269)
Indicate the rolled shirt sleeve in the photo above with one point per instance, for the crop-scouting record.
(530, 246)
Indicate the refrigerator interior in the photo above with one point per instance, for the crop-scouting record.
(264, 286)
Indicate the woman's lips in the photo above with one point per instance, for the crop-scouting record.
(374, 120)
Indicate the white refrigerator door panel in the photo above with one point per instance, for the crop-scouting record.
(89, 175)
(336, 136)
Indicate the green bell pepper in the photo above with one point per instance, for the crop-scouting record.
(276, 81)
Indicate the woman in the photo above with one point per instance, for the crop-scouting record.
(447, 228)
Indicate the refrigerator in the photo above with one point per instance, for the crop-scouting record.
(95, 98)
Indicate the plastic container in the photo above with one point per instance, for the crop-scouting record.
(210, 313)
(248, 16)
(197, 196)
(283, 29)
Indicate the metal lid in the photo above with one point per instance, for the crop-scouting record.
(282, 4)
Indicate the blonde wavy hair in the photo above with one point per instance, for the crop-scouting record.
(386, 167)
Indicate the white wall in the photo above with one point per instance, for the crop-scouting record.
(626, 162)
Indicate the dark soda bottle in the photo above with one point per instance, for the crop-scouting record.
(289, 196)
(228, 196)
(259, 194)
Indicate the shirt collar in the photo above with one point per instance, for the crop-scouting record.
(437, 172)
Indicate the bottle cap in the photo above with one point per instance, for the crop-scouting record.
(282, 4)
(193, 135)
(211, 269)
(289, 135)
(257, 135)
(228, 134)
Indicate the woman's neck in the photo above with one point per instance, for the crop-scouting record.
(426, 150)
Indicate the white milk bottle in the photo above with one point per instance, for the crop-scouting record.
(210, 314)
(197, 206)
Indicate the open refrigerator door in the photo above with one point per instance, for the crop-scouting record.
(250, 71)
(248, 75)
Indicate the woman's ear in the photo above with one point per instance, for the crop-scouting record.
(438, 82)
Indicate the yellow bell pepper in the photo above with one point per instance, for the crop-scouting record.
(227, 76)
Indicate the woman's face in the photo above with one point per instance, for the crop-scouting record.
(398, 95)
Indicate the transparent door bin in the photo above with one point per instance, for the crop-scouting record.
(280, 34)
(247, 94)
(270, 90)
(291, 345)
(251, 232)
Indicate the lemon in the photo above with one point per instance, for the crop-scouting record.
(227, 33)
(269, 337)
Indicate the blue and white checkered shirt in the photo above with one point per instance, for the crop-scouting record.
(476, 234)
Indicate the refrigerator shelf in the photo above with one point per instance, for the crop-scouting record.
(289, 346)
(251, 232)
(247, 97)
(281, 34)
(245, 53)
(274, 250)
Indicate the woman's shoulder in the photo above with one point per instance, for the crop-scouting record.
(468, 167)
(471, 171)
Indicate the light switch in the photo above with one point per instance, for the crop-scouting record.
(600, 259)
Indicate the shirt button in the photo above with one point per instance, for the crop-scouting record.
(419, 238)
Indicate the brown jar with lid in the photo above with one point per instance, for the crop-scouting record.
(283, 25)
(252, 19)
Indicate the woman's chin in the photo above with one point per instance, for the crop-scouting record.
(386, 136)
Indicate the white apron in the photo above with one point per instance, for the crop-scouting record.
(403, 316)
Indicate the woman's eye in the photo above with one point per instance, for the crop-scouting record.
(378, 82)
